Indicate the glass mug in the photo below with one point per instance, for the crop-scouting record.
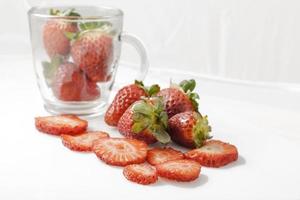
(76, 51)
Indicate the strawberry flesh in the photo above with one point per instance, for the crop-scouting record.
(120, 151)
(214, 153)
(140, 173)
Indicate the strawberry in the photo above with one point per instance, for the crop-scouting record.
(120, 151)
(140, 173)
(124, 98)
(179, 170)
(61, 124)
(92, 50)
(180, 98)
(189, 129)
(54, 38)
(145, 120)
(90, 91)
(83, 142)
(160, 155)
(70, 84)
(214, 153)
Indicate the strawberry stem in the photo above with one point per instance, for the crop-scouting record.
(150, 91)
(149, 114)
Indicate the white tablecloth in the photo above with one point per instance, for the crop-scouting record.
(263, 122)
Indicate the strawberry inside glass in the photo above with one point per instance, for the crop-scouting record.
(76, 53)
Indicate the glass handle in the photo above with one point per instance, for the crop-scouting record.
(140, 48)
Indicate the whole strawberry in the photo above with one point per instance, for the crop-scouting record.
(180, 98)
(54, 38)
(189, 129)
(124, 98)
(145, 120)
(70, 84)
(92, 51)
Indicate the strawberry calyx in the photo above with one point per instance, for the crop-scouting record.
(99, 27)
(149, 114)
(65, 13)
(201, 130)
(150, 91)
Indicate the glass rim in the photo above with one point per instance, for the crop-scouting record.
(118, 13)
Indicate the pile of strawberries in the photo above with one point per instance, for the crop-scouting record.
(146, 115)
(80, 53)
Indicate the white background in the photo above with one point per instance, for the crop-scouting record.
(241, 39)
(250, 40)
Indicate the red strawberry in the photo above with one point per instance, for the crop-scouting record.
(145, 120)
(124, 98)
(140, 173)
(92, 51)
(62, 124)
(179, 170)
(160, 155)
(83, 142)
(54, 38)
(70, 84)
(90, 91)
(120, 151)
(180, 99)
(214, 153)
(189, 129)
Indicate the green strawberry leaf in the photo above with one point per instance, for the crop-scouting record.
(149, 114)
(71, 35)
(54, 11)
(153, 90)
(141, 107)
(140, 126)
(201, 130)
(162, 136)
(94, 25)
(70, 12)
(188, 85)
(50, 68)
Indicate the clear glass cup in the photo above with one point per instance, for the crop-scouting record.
(76, 51)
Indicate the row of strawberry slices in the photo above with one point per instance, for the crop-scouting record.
(165, 162)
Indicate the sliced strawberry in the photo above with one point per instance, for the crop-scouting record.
(83, 142)
(140, 173)
(160, 155)
(179, 170)
(214, 153)
(62, 124)
(120, 151)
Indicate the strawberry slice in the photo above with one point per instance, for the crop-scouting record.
(179, 170)
(61, 124)
(214, 153)
(83, 142)
(143, 174)
(120, 151)
(160, 155)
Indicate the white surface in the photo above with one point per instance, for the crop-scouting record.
(265, 129)
(248, 39)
